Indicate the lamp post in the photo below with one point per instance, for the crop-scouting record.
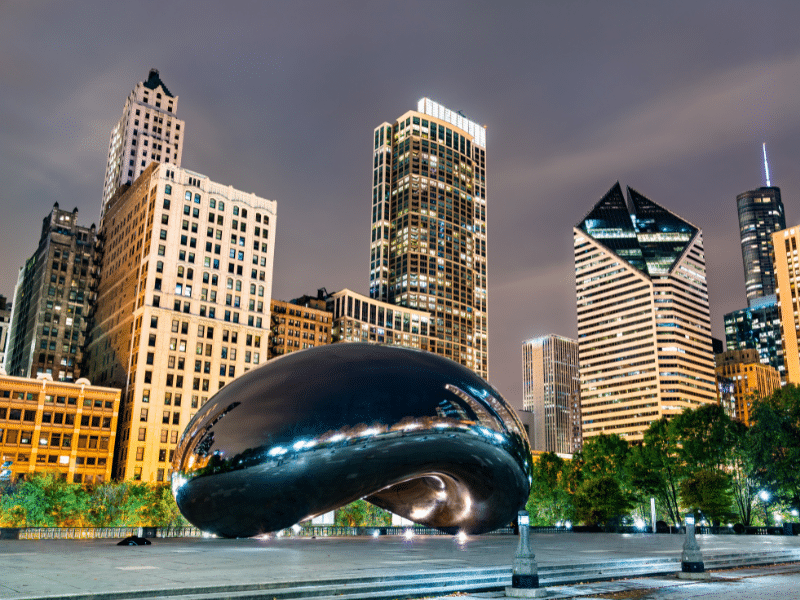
(692, 565)
(764, 495)
(525, 575)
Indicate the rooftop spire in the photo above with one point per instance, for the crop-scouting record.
(766, 164)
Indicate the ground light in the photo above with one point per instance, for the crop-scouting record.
(409, 533)
(461, 537)
(376, 533)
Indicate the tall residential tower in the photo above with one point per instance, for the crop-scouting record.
(644, 327)
(148, 131)
(760, 215)
(428, 244)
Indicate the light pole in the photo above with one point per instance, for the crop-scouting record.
(764, 495)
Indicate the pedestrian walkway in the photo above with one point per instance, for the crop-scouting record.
(101, 569)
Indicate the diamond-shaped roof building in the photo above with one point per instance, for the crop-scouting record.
(639, 231)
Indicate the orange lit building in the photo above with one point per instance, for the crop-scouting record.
(750, 379)
(69, 428)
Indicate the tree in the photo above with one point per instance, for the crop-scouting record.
(705, 436)
(45, 500)
(655, 468)
(740, 466)
(601, 500)
(774, 443)
(605, 456)
(550, 500)
(708, 491)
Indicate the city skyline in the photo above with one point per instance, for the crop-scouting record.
(678, 107)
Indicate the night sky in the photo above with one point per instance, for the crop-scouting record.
(281, 99)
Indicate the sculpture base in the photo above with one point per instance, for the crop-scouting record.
(537, 592)
(695, 575)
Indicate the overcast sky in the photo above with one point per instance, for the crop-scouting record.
(281, 99)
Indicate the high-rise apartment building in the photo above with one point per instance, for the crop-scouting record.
(644, 327)
(751, 379)
(760, 215)
(428, 244)
(298, 324)
(549, 381)
(148, 131)
(787, 272)
(66, 428)
(5, 324)
(758, 327)
(53, 299)
(183, 305)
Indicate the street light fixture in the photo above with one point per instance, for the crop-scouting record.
(764, 495)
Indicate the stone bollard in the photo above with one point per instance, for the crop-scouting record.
(692, 566)
(525, 576)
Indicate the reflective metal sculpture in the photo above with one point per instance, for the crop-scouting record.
(409, 431)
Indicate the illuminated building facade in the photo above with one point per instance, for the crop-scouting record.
(751, 379)
(183, 305)
(148, 131)
(549, 382)
(428, 244)
(758, 327)
(760, 215)
(357, 318)
(53, 300)
(66, 428)
(298, 324)
(787, 272)
(644, 327)
(5, 324)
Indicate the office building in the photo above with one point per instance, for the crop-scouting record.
(358, 318)
(298, 324)
(5, 324)
(53, 299)
(428, 244)
(147, 131)
(758, 327)
(751, 380)
(644, 328)
(787, 272)
(66, 428)
(183, 305)
(760, 215)
(549, 381)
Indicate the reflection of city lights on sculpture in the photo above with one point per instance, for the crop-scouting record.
(409, 431)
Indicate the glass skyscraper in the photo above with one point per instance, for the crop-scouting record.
(758, 327)
(760, 215)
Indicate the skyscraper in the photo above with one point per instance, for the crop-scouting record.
(5, 323)
(148, 130)
(760, 215)
(428, 244)
(183, 305)
(644, 328)
(787, 274)
(549, 381)
(758, 327)
(53, 299)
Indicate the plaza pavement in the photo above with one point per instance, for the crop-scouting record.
(40, 568)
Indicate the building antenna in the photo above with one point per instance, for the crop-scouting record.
(766, 164)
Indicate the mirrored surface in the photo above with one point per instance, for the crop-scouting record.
(409, 431)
